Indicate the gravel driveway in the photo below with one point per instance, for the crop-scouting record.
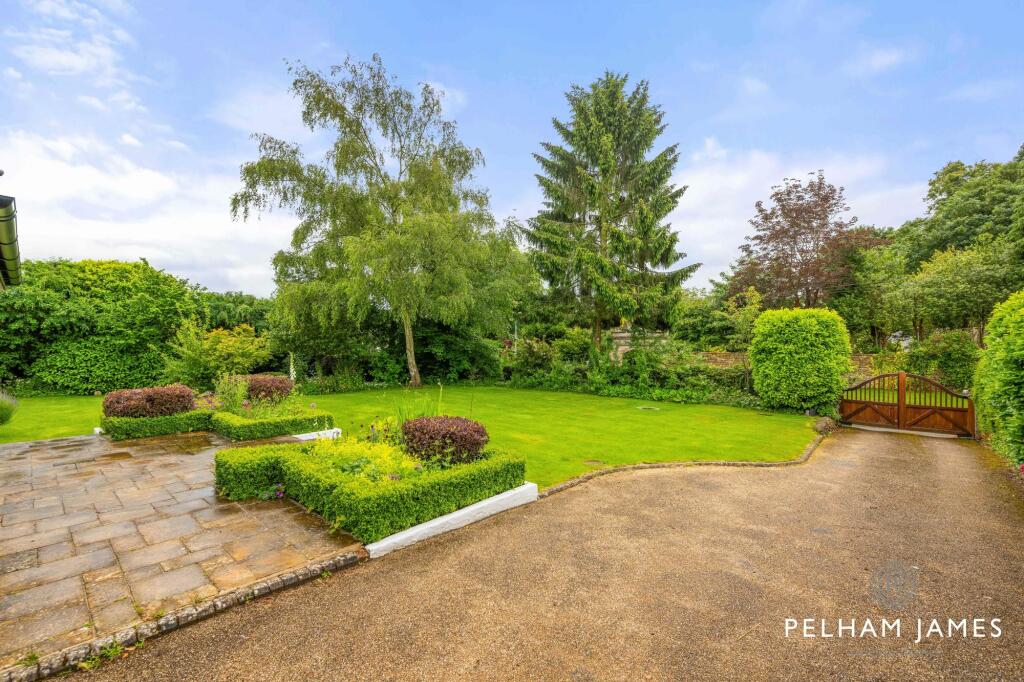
(666, 574)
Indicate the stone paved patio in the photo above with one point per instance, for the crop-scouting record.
(95, 536)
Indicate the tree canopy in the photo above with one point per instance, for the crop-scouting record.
(798, 253)
(602, 239)
(966, 202)
(388, 220)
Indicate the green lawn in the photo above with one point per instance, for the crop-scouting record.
(566, 434)
(562, 434)
(39, 418)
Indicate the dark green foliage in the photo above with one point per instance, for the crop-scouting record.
(155, 401)
(336, 383)
(236, 427)
(799, 358)
(999, 379)
(96, 363)
(121, 428)
(656, 369)
(233, 308)
(80, 327)
(449, 355)
(453, 440)
(602, 241)
(368, 509)
(967, 202)
(948, 357)
(409, 240)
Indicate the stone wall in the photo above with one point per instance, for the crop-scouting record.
(621, 339)
(862, 362)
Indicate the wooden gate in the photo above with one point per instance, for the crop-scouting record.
(909, 402)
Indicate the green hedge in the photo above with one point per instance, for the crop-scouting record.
(999, 379)
(245, 428)
(368, 509)
(121, 428)
(799, 358)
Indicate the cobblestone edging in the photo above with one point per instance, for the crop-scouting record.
(573, 482)
(69, 658)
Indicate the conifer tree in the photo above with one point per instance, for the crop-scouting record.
(602, 234)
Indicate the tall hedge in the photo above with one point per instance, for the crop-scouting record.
(999, 379)
(799, 358)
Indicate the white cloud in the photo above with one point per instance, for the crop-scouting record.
(12, 73)
(754, 98)
(870, 61)
(81, 170)
(753, 87)
(263, 109)
(70, 38)
(709, 152)
(453, 100)
(177, 144)
(78, 197)
(724, 184)
(819, 15)
(983, 90)
(127, 101)
(57, 52)
(130, 140)
(94, 102)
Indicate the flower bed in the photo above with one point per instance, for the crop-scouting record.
(122, 428)
(371, 490)
(163, 410)
(237, 427)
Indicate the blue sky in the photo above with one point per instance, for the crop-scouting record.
(125, 123)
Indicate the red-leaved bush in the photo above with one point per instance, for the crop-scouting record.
(269, 387)
(453, 439)
(157, 401)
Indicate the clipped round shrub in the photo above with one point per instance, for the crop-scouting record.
(269, 387)
(156, 401)
(455, 440)
(799, 358)
(999, 379)
(8, 406)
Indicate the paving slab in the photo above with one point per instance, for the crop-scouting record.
(95, 535)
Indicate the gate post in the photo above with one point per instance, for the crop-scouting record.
(901, 401)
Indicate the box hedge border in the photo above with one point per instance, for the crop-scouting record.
(225, 423)
(369, 511)
(122, 428)
(244, 428)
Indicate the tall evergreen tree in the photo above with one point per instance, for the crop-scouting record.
(602, 234)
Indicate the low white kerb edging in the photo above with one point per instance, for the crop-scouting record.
(516, 497)
(329, 433)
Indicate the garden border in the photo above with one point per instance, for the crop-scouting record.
(590, 475)
(68, 659)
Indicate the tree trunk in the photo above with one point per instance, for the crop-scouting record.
(410, 353)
